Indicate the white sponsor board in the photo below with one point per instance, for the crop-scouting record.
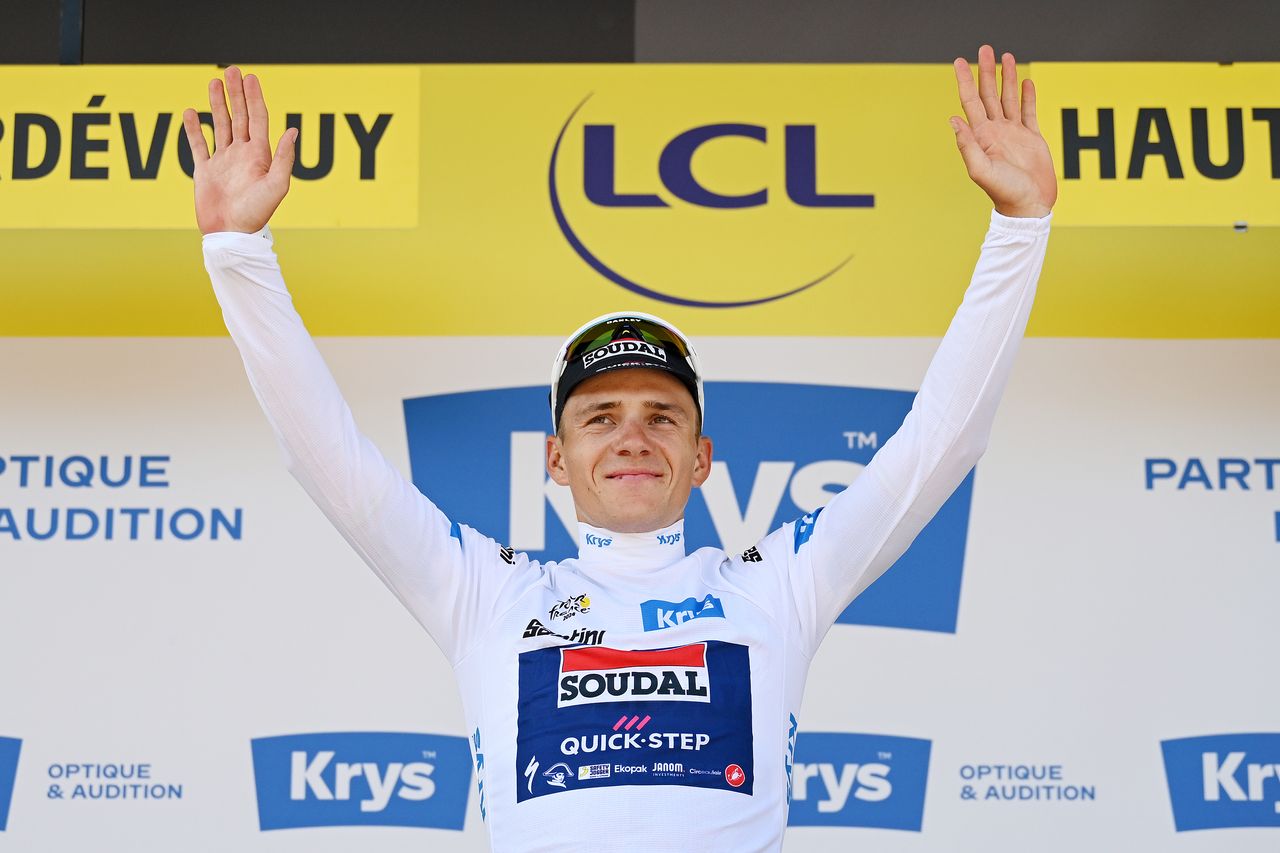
(1098, 617)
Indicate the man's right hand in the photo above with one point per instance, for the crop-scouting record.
(241, 185)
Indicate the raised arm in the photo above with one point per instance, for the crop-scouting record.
(865, 528)
(443, 573)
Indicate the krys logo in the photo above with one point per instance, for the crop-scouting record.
(361, 778)
(9, 749)
(1220, 781)
(859, 780)
(712, 208)
(781, 451)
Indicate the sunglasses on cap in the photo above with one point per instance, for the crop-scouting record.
(623, 339)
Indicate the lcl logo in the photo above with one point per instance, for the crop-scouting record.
(676, 175)
(675, 169)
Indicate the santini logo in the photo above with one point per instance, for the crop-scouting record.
(361, 778)
(858, 780)
(1221, 781)
(9, 749)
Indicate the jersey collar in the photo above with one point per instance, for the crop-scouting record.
(656, 549)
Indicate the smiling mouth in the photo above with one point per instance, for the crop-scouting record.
(629, 476)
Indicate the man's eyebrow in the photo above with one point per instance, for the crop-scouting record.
(600, 407)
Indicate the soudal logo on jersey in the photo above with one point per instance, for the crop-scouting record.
(593, 717)
(782, 451)
(624, 346)
(657, 614)
(588, 676)
(9, 750)
(858, 780)
(361, 778)
(1220, 781)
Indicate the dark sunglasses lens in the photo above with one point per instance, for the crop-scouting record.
(598, 336)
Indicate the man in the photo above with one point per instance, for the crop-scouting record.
(636, 697)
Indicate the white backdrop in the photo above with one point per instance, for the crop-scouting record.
(1097, 617)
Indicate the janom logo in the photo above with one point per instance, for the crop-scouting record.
(859, 780)
(692, 200)
(9, 750)
(1220, 781)
(361, 778)
(772, 466)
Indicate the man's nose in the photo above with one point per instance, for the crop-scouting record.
(631, 438)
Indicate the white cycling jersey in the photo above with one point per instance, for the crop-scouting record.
(636, 697)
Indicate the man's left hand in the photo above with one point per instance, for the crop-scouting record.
(1001, 143)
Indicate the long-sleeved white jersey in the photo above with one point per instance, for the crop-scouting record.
(636, 697)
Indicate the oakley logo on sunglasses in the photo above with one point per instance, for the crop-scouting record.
(624, 347)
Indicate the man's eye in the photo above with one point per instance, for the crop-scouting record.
(663, 418)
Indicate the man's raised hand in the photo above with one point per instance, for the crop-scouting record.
(1001, 143)
(242, 184)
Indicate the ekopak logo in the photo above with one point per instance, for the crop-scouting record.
(1220, 781)
(782, 451)
(859, 780)
(676, 175)
(9, 750)
(361, 779)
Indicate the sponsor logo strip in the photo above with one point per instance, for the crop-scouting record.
(674, 716)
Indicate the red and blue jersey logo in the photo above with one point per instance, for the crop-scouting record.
(596, 717)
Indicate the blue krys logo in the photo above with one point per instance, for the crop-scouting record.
(782, 451)
(1220, 781)
(361, 779)
(658, 614)
(858, 780)
(675, 171)
(9, 749)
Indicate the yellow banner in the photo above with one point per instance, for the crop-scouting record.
(103, 147)
(1159, 143)
(739, 200)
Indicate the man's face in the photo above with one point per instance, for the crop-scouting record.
(629, 450)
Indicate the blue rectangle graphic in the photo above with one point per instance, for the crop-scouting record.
(9, 750)
(361, 779)
(869, 780)
(657, 614)
(1220, 781)
(815, 437)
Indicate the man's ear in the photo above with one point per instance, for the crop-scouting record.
(702, 462)
(555, 461)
